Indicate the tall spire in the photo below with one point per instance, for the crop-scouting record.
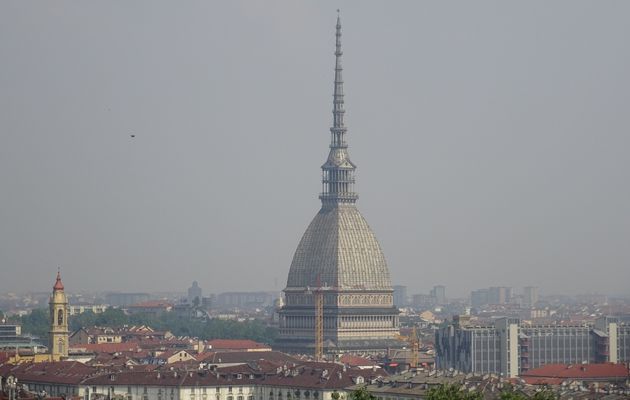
(338, 129)
(338, 170)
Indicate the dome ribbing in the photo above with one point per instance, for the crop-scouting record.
(339, 250)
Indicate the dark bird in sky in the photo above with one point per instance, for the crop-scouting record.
(132, 135)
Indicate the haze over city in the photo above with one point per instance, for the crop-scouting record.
(143, 146)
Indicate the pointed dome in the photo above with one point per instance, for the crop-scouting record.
(58, 283)
(339, 250)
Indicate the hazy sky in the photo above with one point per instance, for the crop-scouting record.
(491, 139)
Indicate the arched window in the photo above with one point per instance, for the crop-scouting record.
(60, 317)
(60, 347)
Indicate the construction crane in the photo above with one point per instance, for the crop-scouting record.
(414, 345)
(318, 301)
(319, 323)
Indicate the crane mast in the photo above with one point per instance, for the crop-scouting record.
(319, 324)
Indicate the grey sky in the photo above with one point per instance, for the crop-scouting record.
(491, 139)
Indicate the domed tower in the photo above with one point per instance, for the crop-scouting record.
(58, 321)
(339, 257)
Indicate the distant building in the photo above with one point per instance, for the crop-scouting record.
(106, 335)
(400, 296)
(479, 298)
(209, 302)
(153, 307)
(508, 347)
(530, 296)
(223, 345)
(126, 299)
(439, 294)
(245, 300)
(195, 295)
(499, 295)
(423, 301)
(95, 335)
(11, 338)
(493, 295)
(75, 309)
(592, 298)
(140, 333)
(172, 356)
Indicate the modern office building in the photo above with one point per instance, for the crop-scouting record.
(530, 296)
(400, 296)
(439, 294)
(499, 295)
(508, 347)
(492, 295)
(11, 338)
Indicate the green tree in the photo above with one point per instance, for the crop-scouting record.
(36, 323)
(335, 395)
(545, 394)
(451, 392)
(509, 393)
(361, 394)
(179, 325)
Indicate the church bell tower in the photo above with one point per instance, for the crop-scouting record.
(58, 333)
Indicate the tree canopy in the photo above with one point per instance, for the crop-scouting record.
(38, 323)
(361, 394)
(452, 392)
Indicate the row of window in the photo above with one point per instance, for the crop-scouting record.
(162, 394)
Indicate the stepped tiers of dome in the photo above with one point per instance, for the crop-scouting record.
(339, 257)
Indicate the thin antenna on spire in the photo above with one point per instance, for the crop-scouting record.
(338, 110)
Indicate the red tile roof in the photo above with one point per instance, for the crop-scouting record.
(107, 347)
(58, 284)
(5, 355)
(607, 371)
(312, 376)
(236, 344)
(171, 352)
(242, 357)
(305, 375)
(60, 372)
(356, 361)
